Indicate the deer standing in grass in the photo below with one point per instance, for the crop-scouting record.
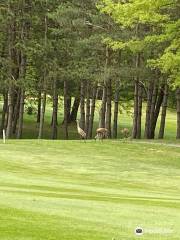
(125, 132)
(101, 133)
(81, 131)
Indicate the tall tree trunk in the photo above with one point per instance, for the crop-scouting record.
(69, 108)
(12, 70)
(39, 107)
(137, 100)
(82, 105)
(4, 111)
(23, 64)
(21, 114)
(152, 113)
(163, 114)
(93, 106)
(116, 108)
(178, 113)
(16, 110)
(75, 107)
(10, 113)
(157, 109)
(42, 114)
(140, 96)
(108, 112)
(136, 88)
(43, 98)
(148, 109)
(102, 114)
(87, 108)
(55, 110)
(65, 110)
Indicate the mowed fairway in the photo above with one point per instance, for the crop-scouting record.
(59, 190)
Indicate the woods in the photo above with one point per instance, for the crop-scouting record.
(92, 56)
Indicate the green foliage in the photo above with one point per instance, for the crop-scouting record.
(161, 18)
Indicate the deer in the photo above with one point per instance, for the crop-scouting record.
(101, 133)
(125, 132)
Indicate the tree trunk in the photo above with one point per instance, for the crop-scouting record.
(140, 96)
(43, 97)
(93, 106)
(134, 130)
(65, 110)
(12, 63)
(82, 105)
(157, 109)
(21, 71)
(16, 110)
(39, 107)
(108, 112)
(21, 114)
(163, 114)
(137, 101)
(152, 113)
(69, 108)
(148, 110)
(87, 109)
(103, 114)
(42, 115)
(178, 113)
(75, 107)
(10, 113)
(4, 111)
(55, 110)
(103, 108)
(116, 109)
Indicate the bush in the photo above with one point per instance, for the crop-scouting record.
(30, 110)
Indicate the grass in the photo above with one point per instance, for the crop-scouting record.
(51, 190)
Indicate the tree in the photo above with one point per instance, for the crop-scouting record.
(158, 22)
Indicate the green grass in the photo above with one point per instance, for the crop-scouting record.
(51, 190)
(89, 191)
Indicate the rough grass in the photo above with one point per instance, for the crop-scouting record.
(89, 191)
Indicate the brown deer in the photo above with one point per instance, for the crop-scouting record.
(125, 132)
(101, 133)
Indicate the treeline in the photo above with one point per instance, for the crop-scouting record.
(87, 51)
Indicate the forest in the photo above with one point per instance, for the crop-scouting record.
(78, 57)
